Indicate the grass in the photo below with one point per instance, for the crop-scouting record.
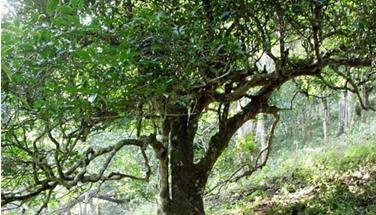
(337, 178)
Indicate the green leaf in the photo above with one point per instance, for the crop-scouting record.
(17, 78)
(52, 5)
(5, 69)
(79, 4)
(67, 10)
(71, 89)
(59, 21)
(83, 54)
(38, 104)
(75, 20)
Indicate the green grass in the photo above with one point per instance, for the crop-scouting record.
(337, 178)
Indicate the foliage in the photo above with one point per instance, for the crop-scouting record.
(103, 91)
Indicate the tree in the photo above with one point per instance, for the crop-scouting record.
(342, 112)
(76, 68)
(325, 119)
(260, 134)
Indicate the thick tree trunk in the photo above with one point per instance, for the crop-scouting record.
(164, 194)
(186, 193)
(186, 196)
(183, 194)
(183, 180)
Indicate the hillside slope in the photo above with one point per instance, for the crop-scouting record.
(338, 178)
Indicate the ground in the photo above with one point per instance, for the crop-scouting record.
(337, 178)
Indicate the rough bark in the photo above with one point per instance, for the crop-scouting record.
(185, 192)
(164, 196)
(182, 194)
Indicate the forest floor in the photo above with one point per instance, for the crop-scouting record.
(336, 178)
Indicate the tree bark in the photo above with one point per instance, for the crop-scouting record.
(341, 114)
(247, 128)
(260, 134)
(188, 179)
(350, 110)
(186, 194)
(244, 130)
(164, 186)
(365, 99)
(325, 120)
(182, 194)
(306, 125)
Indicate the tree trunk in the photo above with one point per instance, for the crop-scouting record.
(186, 196)
(325, 120)
(91, 206)
(182, 194)
(164, 187)
(365, 99)
(341, 114)
(99, 209)
(183, 181)
(248, 126)
(350, 110)
(306, 125)
(260, 134)
(244, 131)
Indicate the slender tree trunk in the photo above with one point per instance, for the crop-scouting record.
(99, 210)
(341, 114)
(164, 186)
(350, 110)
(260, 134)
(364, 95)
(303, 125)
(325, 120)
(248, 126)
(306, 125)
(245, 130)
(345, 110)
(164, 194)
(86, 204)
(92, 206)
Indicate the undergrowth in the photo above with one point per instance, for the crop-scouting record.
(335, 178)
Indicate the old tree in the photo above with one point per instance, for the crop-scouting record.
(73, 69)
